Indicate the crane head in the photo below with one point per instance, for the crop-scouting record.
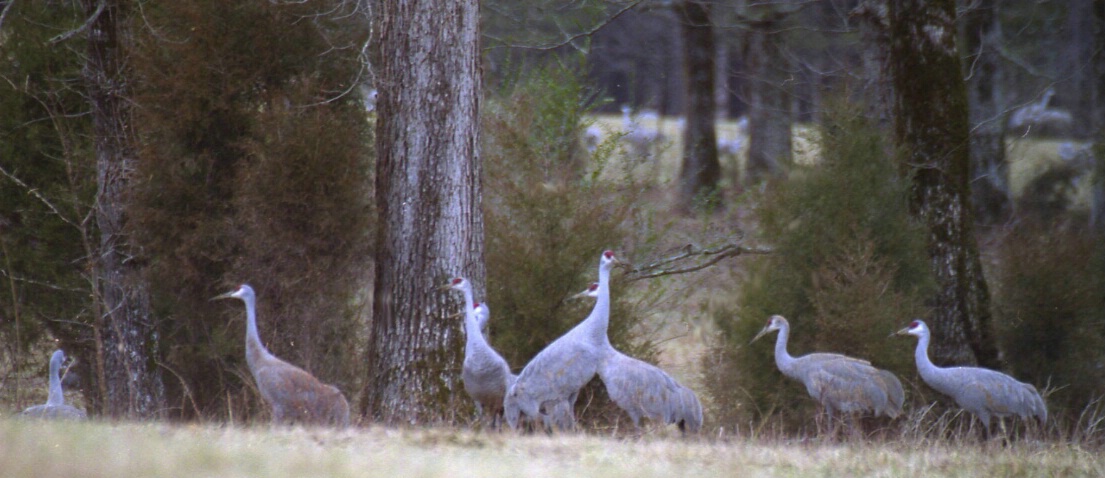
(776, 322)
(457, 283)
(916, 328)
(591, 291)
(483, 314)
(241, 292)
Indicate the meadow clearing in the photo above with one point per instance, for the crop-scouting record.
(98, 448)
(120, 450)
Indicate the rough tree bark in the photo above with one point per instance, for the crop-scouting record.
(769, 135)
(931, 128)
(129, 380)
(701, 170)
(989, 168)
(428, 197)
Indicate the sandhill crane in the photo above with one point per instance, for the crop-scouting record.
(55, 407)
(485, 373)
(983, 392)
(641, 139)
(644, 390)
(294, 395)
(839, 383)
(1040, 114)
(549, 384)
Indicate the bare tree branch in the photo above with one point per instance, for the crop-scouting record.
(569, 40)
(91, 18)
(691, 259)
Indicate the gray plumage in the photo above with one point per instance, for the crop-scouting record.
(294, 395)
(644, 390)
(983, 392)
(55, 407)
(485, 373)
(547, 387)
(837, 382)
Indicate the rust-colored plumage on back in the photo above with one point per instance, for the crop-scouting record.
(294, 395)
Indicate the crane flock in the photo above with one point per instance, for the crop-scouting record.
(545, 390)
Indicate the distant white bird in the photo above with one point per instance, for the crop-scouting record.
(55, 407)
(839, 383)
(641, 139)
(1039, 114)
(983, 392)
(592, 137)
(294, 395)
(485, 373)
(644, 390)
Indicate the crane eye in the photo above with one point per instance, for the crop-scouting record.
(914, 324)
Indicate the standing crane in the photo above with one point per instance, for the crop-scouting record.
(983, 392)
(55, 407)
(486, 374)
(837, 382)
(294, 395)
(644, 390)
(550, 382)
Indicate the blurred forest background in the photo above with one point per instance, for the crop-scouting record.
(247, 155)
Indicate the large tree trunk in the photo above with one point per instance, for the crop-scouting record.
(129, 380)
(1097, 66)
(701, 170)
(769, 134)
(989, 168)
(428, 195)
(931, 127)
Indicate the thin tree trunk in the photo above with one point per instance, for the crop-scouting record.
(127, 340)
(989, 168)
(769, 134)
(931, 127)
(428, 194)
(701, 170)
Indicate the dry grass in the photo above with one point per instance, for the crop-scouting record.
(125, 450)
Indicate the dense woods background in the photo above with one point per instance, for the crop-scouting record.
(155, 155)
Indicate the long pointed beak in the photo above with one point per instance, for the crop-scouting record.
(904, 331)
(228, 295)
(761, 334)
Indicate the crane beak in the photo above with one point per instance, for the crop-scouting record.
(761, 334)
(228, 295)
(904, 331)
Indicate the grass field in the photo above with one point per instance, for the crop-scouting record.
(93, 449)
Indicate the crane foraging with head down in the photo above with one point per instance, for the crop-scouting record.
(55, 407)
(485, 373)
(837, 382)
(644, 390)
(294, 395)
(983, 392)
(547, 387)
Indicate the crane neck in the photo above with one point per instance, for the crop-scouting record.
(783, 359)
(924, 365)
(255, 350)
(473, 335)
(56, 396)
(599, 320)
